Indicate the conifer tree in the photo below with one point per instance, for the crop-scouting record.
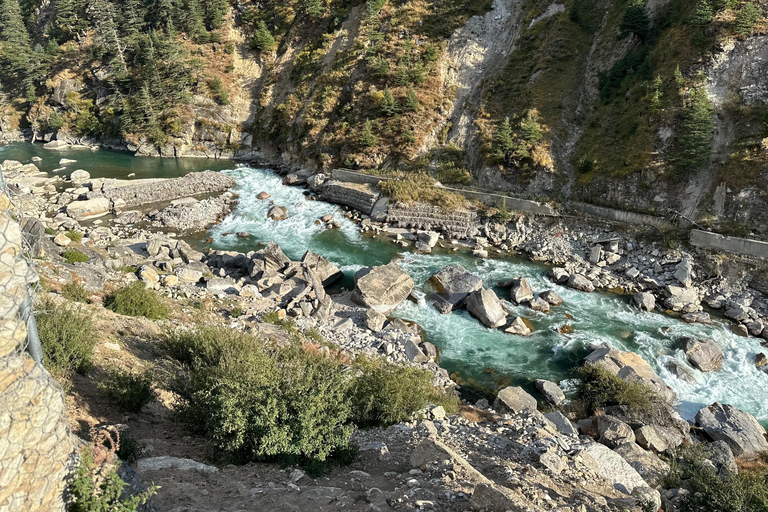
(194, 22)
(263, 40)
(704, 13)
(69, 19)
(388, 103)
(18, 62)
(693, 144)
(657, 94)
(214, 13)
(367, 138)
(530, 129)
(746, 19)
(313, 8)
(679, 80)
(635, 21)
(411, 100)
(503, 141)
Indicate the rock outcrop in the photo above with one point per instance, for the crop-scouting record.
(742, 432)
(382, 288)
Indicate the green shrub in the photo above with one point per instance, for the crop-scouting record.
(385, 393)
(50, 231)
(130, 448)
(75, 292)
(746, 490)
(74, 256)
(127, 269)
(263, 40)
(503, 214)
(67, 337)
(367, 138)
(73, 235)
(598, 388)
(137, 300)
(128, 390)
(236, 312)
(745, 21)
(93, 491)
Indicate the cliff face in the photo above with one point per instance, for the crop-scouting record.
(613, 102)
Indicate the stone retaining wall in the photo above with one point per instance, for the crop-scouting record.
(455, 222)
(36, 444)
(743, 246)
(361, 197)
(611, 214)
(195, 183)
(355, 177)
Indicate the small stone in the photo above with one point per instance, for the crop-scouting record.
(263, 195)
(62, 240)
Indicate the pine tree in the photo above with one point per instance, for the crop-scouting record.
(411, 100)
(313, 8)
(194, 22)
(18, 62)
(657, 94)
(745, 21)
(214, 13)
(693, 144)
(704, 13)
(388, 103)
(503, 141)
(69, 19)
(263, 40)
(530, 129)
(367, 138)
(679, 80)
(635, 21)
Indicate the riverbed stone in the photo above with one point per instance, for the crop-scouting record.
(644, 301)
(647, 464)
(382, 288)
(704, 354)
(374, 320)
(518, 327)
(563, 424)
(550, 391)
(453, 284)
(326, 271)
(581, 283)
(613, 432)
(559, 275)
(188, 275)
(485, 306)
(684, 272)
(263, 195)
(62, 240)
(551, 297)
(89, 208)
(79, 176)
(697, 317)
(148, 274)
(630, 367)
(520, 290)
(742, 432)
(278, 213)
(514, 400)
(539, 304)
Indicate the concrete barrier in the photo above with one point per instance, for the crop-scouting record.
(639, 219)
(513, 203)
(355, 177)
(732, 244)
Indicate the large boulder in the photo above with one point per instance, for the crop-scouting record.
(518, 327)
(684, 272)
(679, 297)
(742, 432)
(551, 297)
(485, 306)
(382, 288)
(630, 367)
(550, 391)
(704, 354)
(274, 257)
(647, 464)
(80, 176)
(612, 466)
(581, 283)
(326, 271)
(613, 431)
(514, 400)
(453, 284)
(88, 209)
(278, 213)
(644, 301)
(520, 290)
(558, 275)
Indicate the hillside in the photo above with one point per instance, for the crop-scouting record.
(654, 106)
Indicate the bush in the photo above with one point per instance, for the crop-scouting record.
(385, 393)
(50, 231)
(67, 337)
(137, 300)
(419, 187)
(75, 292)
(711, 492)
(236, 312)
(74, 256)
(599, 388)
(503, 214)
(94, 491)
(263, 40)
(73, 235)
(745, 21)
(128, 390)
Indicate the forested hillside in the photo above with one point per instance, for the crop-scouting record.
(626, 102)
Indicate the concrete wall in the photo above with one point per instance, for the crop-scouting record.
(36, 444)
(355, 177)
(623, 216)
(743, 246)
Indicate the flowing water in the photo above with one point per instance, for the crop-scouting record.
(485, 359)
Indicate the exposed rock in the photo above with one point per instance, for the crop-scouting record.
(684, 272)
(581, 283)
(88, 209)
(551, 297)
(630, 367)
(263, 195)
(613, 431)
(514, 400)
(550, 391)
(414, 353)
(559, 275)
(539, 304)
(697, 317)
(518, 327)
(740, 330)
(656, 438)
(326, 271)
(148, 274)
(164, 463)
(742, 432)
(520, 291)
(761, 360)
(79, 176)
(704, 354)
(315, 182)
(612, 466)
(188, 275)
(644, 301)
(647, 464)
(382, 288)
(563, 424)
(278, 213)
(679, 297)
(62, 240)
(374, 320)
(453, 284)
(485, 306)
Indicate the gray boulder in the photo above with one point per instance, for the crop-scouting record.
(539, 304)
(514, 400)
(550, 391)
(645, 301)
(563, 424)
(647, 464)
(89, 208)
(612, 466)
(453, 284)
(520, 290)
(551, 297)
(684, 272)
(485, 306)
(630, 367)
(518, 327)
(613, 431)
(374, 320)
(704, 354)
(558, 275)
(581, 283)
(278, 213)
(742, 432)
(382, 288)
(326, 271)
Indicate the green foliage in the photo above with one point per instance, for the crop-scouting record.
(50, 231)
(598, 388)
(503, 140)
(693, 144)
(530, 131)
(388, 103)
(19, 64)
(75, 292)
(411, 100)
(635, 64)
(220, 94)
(679, 80)
(93, 491)
(657, 94)
(236, 312)
(721, 5)
(55, 122)
(635, 21)
(503, 214)
(585, 165)
(263, 40)
(67, 337)
(129, 390)
(74, 256)
(710, 492)
(419, 188)
(73, 235)
(130, 448)
(137, 300)
(313, 8)
(704, 13)
(745, 21)
(367, 138)
(385, 393)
